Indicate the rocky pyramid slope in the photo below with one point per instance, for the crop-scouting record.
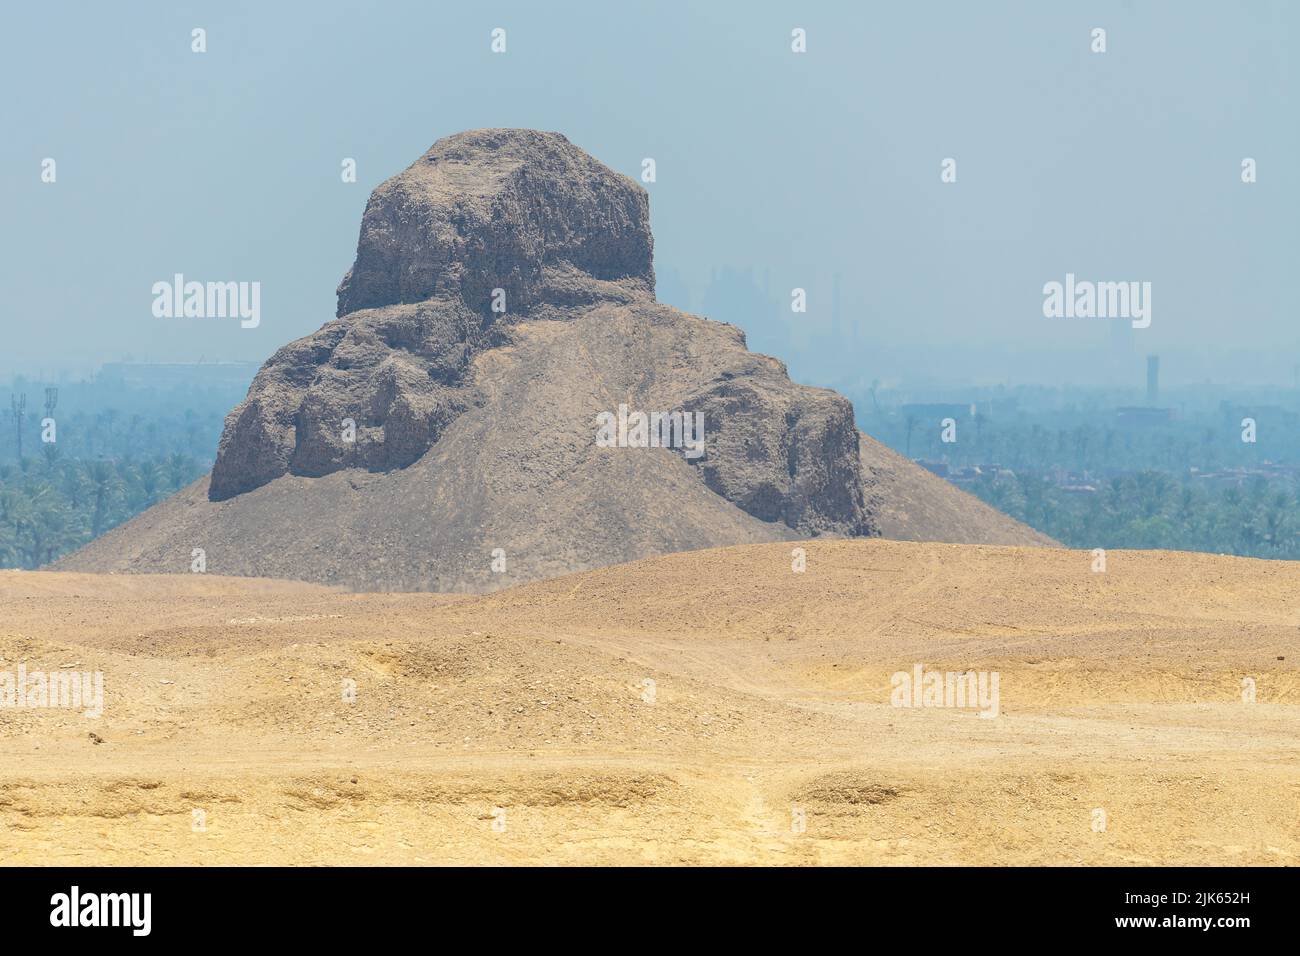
(500, 389)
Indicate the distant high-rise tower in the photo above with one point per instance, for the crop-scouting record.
(836, 328)
(1153, 379)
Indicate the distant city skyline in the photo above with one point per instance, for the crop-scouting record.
(1125, 165)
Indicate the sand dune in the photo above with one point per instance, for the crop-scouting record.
(705, 707)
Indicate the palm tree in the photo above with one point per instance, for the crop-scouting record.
(103, 476)
(105, 420)
(150, 477)
(179, 468)
(49, 527)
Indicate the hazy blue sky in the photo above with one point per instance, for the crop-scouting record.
(1116, 166)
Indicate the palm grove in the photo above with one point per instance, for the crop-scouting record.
(108, 466)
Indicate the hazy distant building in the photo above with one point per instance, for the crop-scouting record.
(837, 330)
(178, 374)
(1140, 415)
(733, 295)
(938, 411)
(1271, 418)
(1153, 379)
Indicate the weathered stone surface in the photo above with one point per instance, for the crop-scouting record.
(396, 373)
(519, 211)
(535, 217)
(475, 430)
(495, 209)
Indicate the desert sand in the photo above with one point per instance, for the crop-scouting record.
(701, 707)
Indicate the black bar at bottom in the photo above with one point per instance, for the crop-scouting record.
(336, 906)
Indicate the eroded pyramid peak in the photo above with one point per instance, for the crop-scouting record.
(497, 209)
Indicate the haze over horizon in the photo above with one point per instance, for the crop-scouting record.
(1122, 166)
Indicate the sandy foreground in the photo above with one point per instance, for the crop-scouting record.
(704, 707)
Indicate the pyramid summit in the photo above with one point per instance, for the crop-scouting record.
(517, 210)
(445, 430)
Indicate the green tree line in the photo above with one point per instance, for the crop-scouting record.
(52, 505)
(1153, 509)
